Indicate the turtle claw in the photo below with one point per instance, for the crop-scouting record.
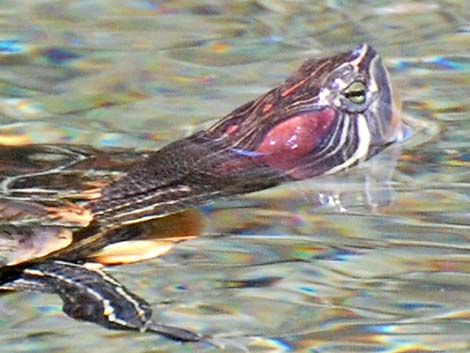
(176, 333)
(232, 344)
(184, 335)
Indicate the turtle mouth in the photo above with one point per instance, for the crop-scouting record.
(385, 119)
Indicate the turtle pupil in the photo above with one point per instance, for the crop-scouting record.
(356, 92)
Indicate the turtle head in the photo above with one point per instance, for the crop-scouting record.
(360, 90)
(329, 115)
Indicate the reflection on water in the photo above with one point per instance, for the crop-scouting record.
(374, 261)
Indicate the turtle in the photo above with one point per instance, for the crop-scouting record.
(65, 208)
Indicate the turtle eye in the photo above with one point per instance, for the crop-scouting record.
(356, 92)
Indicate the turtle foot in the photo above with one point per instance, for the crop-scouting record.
(94, 296)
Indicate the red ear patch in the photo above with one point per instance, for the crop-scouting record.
(294, 138)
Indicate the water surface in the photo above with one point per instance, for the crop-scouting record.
(376, 260)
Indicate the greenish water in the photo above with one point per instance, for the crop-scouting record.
(361, 262)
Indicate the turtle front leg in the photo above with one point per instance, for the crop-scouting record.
(94, 296)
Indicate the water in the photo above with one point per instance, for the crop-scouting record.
(357, 263)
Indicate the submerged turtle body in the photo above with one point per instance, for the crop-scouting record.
(44, 212)
(64, 206)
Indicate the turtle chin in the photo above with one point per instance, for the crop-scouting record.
(384, 113)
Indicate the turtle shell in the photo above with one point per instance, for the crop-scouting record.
(45, 191)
